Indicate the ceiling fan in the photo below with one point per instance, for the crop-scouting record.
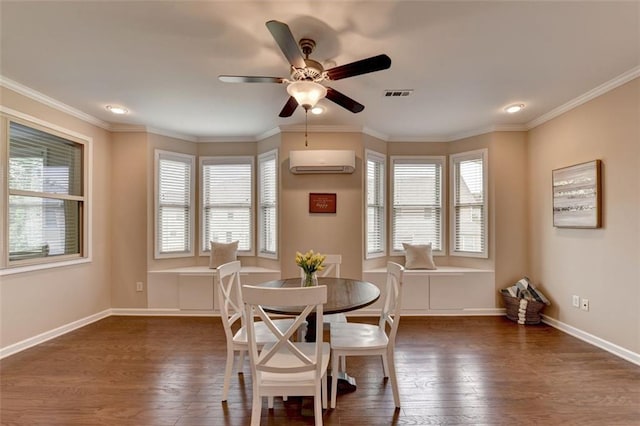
(306, 74)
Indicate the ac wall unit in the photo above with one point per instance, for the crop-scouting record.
(322, 161)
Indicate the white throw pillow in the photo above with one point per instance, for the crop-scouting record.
(222, 253)
(418, 256)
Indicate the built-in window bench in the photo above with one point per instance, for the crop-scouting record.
(193, 288)
(448, 290)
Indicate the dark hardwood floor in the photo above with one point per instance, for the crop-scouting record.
(451, 370)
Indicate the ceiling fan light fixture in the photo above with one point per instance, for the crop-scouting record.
(307, 93)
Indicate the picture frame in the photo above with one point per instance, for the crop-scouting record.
(322, 203)
(577, 196)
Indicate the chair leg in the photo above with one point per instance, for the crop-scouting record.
(256, 409)
(334, 378)
(270, 402)
(324, 390)
(317, 406)
(385, 365)
(227, 373)
(394, 380)
(343, 364)
(240, 362)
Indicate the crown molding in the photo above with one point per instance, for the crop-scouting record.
(321, 129)
(591, 94)
(171, 134)
(115, 127)
(50, 102)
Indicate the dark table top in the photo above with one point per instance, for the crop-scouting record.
(343, 294)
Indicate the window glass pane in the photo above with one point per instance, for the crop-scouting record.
(41, 227)
(267, 220)
(417, 203)
(174, 233)
(375, 204)
(42, 162)
(469, 206)
(46, 200)
(227, 203)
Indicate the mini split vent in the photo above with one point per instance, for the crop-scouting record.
(397, 93)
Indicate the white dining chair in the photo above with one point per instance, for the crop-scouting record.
(232, 315)
(286, 367)
(331, 268)
(355, 339)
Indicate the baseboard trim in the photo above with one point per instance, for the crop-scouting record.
(159, 312)
(52, 334)
(593, 340)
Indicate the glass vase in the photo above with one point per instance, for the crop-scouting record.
(309, 279)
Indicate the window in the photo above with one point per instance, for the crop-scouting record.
(227, 202)
(47, 209)
(174, 204)
(268, 204)
(417, 215)
(469, 204)
(375, 214)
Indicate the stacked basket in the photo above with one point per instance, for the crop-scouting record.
(523, 302)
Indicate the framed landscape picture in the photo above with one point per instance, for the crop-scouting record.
(577, 196)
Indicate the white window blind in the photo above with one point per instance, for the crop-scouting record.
(417, 216)
(268, 204)
(375, 190)
(174, 204)
(46, 196)
(227, 202)
(469, 212)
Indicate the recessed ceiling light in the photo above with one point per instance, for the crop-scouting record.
(511, 109)
(317, 110)
(117, 109)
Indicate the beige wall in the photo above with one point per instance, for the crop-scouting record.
(339, 233)
(599, 264)
(36, 302)
(602, 265)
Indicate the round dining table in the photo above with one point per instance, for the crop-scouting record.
(343, 295)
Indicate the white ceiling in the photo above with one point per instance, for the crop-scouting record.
(465, 61)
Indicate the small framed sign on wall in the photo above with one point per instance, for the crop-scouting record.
(322, 203)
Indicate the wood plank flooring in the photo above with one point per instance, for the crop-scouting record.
(452, 371)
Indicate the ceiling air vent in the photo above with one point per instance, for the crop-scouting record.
(397, 93)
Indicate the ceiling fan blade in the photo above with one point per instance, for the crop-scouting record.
(344, 101)
(283, 36)
(363, 66)
(289, 107)
(249, 79)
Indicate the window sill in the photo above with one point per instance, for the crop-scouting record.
(41, 266)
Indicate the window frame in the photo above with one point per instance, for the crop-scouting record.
(455, 159)
(441, 160)
(176, 156)
(241, 159)
(262, 252)
(381, 159)
(7, 266)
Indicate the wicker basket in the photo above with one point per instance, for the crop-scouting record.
(515, 312)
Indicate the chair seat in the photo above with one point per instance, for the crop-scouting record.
(285, 358)
(354, 336)
(263, 334)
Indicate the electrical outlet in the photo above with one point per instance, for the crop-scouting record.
(584, 305)
(139, 286)
(575, 301)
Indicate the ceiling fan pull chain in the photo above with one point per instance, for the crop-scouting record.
(306, 114)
